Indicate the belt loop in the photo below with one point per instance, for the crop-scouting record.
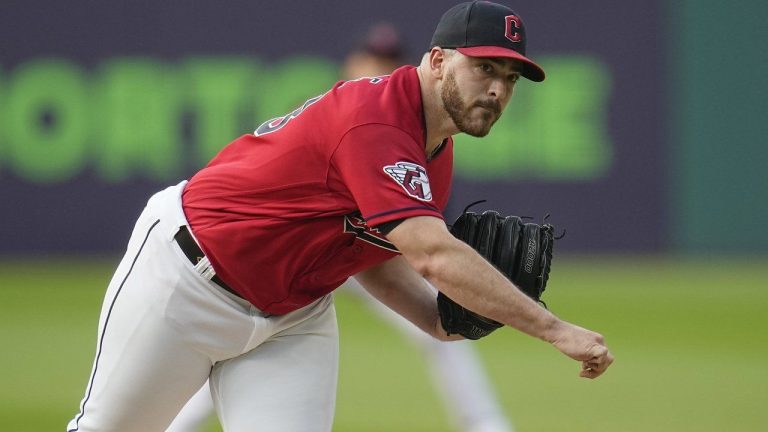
(202, 265)
(205, 269)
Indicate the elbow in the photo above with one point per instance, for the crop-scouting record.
(441, 335)
(431, 259)
(445, 337)
(428, 265)
(437, 262)
(425, 243)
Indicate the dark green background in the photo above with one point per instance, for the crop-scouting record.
(719, 119)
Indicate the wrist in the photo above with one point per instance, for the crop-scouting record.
(553, 328)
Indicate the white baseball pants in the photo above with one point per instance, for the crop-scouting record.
(164, 329)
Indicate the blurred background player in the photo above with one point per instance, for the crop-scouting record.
(456, 370)
(379, 53)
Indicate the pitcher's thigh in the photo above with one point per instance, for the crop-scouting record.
(287, 384)
(143, 371)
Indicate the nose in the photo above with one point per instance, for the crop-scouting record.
(499, 89)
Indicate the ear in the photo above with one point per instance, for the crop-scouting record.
(437, 61)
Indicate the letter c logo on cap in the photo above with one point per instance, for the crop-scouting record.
(513, 23)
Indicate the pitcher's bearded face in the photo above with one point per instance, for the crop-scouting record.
(476, 118)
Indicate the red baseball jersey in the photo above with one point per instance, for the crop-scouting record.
(287, 214)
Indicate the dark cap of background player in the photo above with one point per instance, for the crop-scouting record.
(486, 29)
(383, 40)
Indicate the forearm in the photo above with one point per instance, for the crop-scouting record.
(460, 273)
(471, 281)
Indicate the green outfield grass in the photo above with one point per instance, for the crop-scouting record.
(690, 339)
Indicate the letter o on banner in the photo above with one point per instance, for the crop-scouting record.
(46, 120)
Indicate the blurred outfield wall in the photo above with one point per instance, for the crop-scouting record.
(102, 104)
(719, 142)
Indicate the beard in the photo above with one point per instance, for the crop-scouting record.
(462, 116)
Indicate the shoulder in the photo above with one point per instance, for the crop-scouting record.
(393, 100)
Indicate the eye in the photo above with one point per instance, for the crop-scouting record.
(514, 77)
(486, 67)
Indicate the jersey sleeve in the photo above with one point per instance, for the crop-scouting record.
(384, 169)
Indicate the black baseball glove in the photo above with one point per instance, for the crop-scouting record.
(521, 251)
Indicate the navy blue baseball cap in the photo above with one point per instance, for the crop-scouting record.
(486, 29)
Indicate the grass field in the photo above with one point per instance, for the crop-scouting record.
(690, 339)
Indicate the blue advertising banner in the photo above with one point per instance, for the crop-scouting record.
(104, 103)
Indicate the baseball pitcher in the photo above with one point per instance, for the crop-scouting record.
(228, 276)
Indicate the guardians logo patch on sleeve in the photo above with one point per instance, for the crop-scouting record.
(412, 178)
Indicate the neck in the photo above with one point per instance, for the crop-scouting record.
(438, 123)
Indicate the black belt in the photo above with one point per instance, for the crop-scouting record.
(195, 254)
